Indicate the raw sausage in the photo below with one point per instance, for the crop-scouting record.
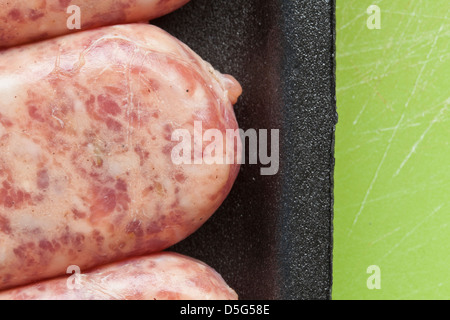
(86, 169)
(161, 276)
(86, 175)
(23, 21)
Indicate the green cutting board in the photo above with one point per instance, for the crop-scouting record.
(392, 178)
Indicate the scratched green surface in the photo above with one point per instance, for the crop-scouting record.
(392, 178)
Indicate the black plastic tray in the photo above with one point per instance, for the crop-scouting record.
(272, 237)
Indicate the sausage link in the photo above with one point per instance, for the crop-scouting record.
(87, 175)
(161, 276)
(23, 21)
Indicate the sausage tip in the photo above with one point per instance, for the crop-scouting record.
(233, 87)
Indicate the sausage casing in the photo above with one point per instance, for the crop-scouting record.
(86, 123)
(24, 21)
(161, 276)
